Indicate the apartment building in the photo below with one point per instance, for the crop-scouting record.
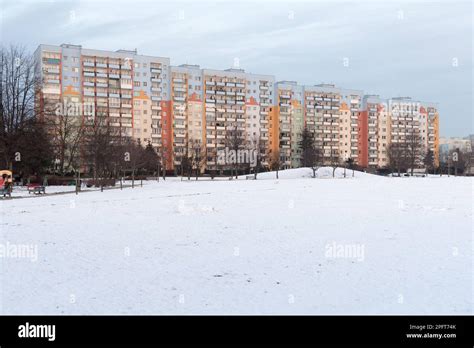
(374, 135)
(291, 121)
(260, 113)
(131, 89)
(430, 133)
(238, 107)
(332, 114)
(180, 108)
(187, 110)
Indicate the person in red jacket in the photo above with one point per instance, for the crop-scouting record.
(2, 181)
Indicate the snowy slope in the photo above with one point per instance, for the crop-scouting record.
(244, 246)
(323, 172)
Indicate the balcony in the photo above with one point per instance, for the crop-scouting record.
(114, 66)
(155, 70)
(88, 64)
(52, 71)
(210, 83)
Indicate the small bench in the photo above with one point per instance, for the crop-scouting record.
(250, 177)
(36, 189)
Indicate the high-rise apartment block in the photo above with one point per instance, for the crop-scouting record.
(181, 108)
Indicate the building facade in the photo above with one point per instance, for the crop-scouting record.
(183, 109)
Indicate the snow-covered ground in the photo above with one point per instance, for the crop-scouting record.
(360, 245)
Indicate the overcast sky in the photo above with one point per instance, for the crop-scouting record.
(421, 49)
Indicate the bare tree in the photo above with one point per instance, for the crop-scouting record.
(260, 152)
(102, 144)
(185, 161)
(68, 130)
(275, 162)
(197, 157)
(396, 156)
(234, 141)
(164, 159)
(414, 150)
(334, 159)
(428, 161)
(23, 134)
(134, 157)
